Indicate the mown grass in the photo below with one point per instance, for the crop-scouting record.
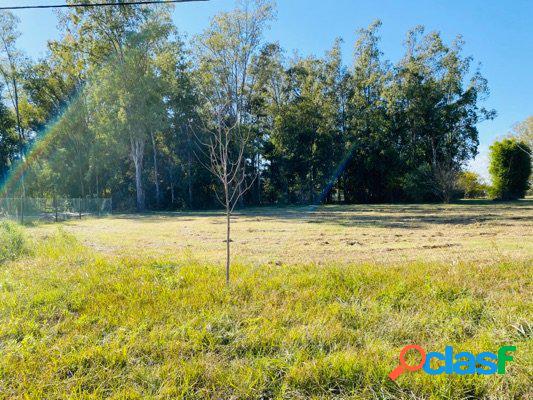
(350, 234)
(80, 325)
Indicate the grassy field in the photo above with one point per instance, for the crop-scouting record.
(482, 232)
(321, 303)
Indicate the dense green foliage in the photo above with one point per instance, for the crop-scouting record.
(510, 168)
(471, 186)
(523, 132)
(125, 106)
(78, 325)
(9, 141)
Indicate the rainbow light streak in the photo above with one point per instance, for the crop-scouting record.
(40, 145)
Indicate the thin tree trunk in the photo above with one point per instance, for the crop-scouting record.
(82, 187)
(240, 198)
(189, 168)
(156, 173)
(55, 208)
(258, 175)
(138, 185)
(17, 109)
(228, 234)
(22, 183)
(22, 140)
(312, 184)
(172, 196)
(22, 210)
(137, 152)
(97, 185)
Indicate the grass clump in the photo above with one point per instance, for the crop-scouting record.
(13, 242)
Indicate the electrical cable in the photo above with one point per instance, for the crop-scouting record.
(130, 3)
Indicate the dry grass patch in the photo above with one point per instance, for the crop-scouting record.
(481, 232)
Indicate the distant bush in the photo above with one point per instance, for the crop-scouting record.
(13, 242)
(510, 168)
(471, 186)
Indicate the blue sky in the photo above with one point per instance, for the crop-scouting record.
(498, 34)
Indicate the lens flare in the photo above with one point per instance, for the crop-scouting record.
(41, 144)
(335, 177)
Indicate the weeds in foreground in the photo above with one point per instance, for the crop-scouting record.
(13, 242)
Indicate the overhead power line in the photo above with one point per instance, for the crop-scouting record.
(102, 4)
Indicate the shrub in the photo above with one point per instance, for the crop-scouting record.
(13, 243)
(510, 168)
(471, 186)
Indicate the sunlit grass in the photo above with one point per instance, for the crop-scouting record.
(383, 234)
(75, 323)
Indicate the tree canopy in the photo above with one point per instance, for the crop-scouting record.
(510, 168)
(130, 103)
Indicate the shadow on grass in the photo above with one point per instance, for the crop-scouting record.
(407, 216)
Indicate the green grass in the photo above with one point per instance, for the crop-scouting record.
(80, 324)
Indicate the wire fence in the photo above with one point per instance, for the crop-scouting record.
(32, 209)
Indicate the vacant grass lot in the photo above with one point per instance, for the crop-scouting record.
(131, 308)
(482, 232)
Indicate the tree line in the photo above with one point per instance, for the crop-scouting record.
(123, 106)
